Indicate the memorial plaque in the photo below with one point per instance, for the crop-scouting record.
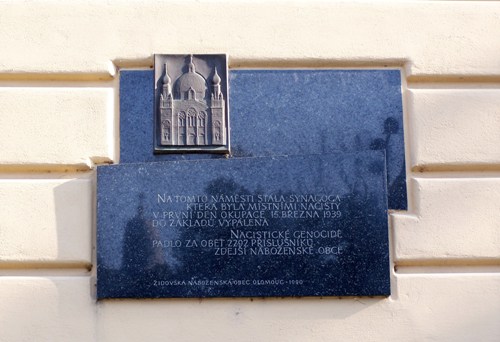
(304, 225)
(278, 112)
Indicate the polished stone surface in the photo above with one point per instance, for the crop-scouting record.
(282, 112)
(310, 225)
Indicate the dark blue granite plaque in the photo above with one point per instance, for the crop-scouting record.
(281, 112)
(306, 225)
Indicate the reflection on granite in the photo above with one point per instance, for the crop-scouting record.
(305, 225)
(284, 112)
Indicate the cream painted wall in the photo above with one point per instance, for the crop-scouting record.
(58, 76)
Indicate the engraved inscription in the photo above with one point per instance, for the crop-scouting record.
(246, 223)
(249, 226)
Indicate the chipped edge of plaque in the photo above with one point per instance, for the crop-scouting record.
(191, 91)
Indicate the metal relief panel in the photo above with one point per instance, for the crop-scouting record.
(191, 111)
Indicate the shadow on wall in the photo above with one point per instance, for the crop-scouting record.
(74, 219)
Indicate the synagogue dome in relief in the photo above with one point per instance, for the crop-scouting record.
(192, 79)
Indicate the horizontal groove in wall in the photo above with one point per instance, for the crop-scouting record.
(45, 176)
(313, 63)
(443, 269)
(455, 167)
(422, 81)
(136, 63)
(70, 83)
(56, 76)
(443, 85)
(293, 63)
(42, 266)
(43, 168)
(447, 262)
(456, 174)
(45, 272)
(53, 168)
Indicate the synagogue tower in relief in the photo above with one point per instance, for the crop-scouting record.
(191, 113)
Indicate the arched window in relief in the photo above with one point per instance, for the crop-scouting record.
(201, 119)
(191, 117)
(217, 130)
(182, 119)
(166, 129)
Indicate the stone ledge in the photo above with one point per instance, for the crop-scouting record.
(56, 125)
(453, 224)
(46, 221)
(454, 129)
(47, 309)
